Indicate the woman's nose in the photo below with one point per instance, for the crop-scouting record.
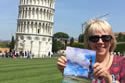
(100, 40)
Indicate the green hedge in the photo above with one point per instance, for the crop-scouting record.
(120, 46)
(4, 45)
(78, 45)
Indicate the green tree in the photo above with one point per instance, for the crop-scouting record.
(121, 37)
(57, 45)
(59, 41)
(12, 43)
(61, 35)
(71, 41)
(120, 48)
(81, 38)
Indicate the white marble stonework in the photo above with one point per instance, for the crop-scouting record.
(35, 27)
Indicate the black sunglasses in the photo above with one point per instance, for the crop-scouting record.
(95, 38)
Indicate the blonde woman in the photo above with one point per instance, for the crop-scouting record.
(108, 68)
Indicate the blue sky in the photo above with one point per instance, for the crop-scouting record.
(69, 15)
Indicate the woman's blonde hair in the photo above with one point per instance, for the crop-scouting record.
(96, 25)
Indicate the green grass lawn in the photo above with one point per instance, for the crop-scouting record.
(29, 71)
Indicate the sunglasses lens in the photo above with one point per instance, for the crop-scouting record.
(106, 38)
(94, 38)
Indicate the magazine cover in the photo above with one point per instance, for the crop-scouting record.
(79, 65)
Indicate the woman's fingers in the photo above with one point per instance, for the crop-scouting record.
(96, 68)
(100, 71)
(96, 65)
(63, 58)
(61, 63)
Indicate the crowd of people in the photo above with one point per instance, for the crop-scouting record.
(14, 54)
(21, 54)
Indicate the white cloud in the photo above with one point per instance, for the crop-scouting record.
(78, 57)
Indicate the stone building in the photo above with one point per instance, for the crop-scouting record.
(35, 27)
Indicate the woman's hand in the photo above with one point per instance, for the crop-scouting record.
(61, 63)
(101, 72)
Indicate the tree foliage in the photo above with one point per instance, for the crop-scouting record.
(4, 45)
(120, 48)
(121, 38)
(59, 41)
(57, 45)
(78, 45)
(81, 38)
(71, 41)
(12, 43)
(61, 35)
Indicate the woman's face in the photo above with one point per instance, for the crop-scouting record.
(99, 45)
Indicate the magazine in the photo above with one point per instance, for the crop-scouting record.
(79, 65)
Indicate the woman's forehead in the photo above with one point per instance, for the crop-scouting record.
(100, 31)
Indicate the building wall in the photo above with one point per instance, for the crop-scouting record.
(35, 27)
(3, 50)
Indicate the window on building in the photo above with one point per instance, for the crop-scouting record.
(38, 31)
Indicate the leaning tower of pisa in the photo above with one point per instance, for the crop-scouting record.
(35, 27)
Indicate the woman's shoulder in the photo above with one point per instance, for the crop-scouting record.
(122, 71)
(118, 59)
(117, 67)
(117, 64)
(122, 62)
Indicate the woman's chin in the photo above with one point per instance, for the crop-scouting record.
(100, 54)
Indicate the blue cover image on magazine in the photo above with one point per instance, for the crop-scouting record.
(79, 64)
